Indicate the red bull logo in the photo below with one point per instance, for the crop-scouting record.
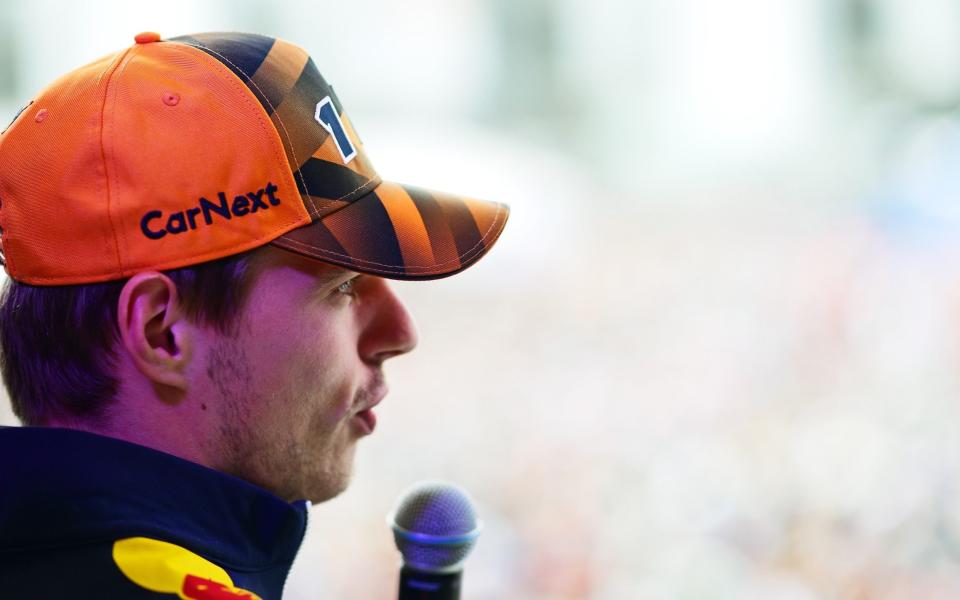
(170, 569)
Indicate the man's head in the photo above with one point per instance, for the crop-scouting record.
(198, 244)
(270, 377)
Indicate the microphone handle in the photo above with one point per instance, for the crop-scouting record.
(421, 585)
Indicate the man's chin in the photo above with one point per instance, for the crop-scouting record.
(329, 488)
(317, 498)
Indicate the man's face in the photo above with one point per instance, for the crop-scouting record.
(304, 361)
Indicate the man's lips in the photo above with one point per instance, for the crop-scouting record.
(366, 418)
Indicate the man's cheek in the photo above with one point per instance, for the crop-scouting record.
(336, 404)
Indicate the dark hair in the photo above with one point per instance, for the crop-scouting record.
(58, 343)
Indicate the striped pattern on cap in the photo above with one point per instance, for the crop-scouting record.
(359, 222)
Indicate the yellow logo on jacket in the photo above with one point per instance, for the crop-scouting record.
(170, 569)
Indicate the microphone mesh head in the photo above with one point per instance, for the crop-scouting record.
(435, 527)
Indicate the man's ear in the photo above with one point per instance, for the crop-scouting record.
(154, 329)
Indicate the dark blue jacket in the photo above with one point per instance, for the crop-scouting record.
(87, 516)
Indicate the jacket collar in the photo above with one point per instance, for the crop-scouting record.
(62, 487)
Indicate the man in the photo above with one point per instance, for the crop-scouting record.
(196, 320)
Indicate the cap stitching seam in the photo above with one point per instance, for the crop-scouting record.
(466, 254)
(122, 231)
(373, 183)
(103, 156)
(356, 189)
(273, 108)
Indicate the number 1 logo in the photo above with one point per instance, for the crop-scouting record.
(327, 116)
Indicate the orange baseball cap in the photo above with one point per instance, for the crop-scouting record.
(181, 151)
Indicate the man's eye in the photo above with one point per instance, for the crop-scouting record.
(347, 287)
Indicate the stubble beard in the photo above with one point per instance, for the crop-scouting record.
(239, 441)
(270, 457)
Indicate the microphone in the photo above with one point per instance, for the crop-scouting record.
(434, 527)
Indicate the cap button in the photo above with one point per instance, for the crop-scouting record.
(147, 37)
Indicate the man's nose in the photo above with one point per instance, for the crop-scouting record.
(390, 330)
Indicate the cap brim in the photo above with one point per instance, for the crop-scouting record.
(402, 232)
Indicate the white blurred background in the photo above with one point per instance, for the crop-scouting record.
(715, 354)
